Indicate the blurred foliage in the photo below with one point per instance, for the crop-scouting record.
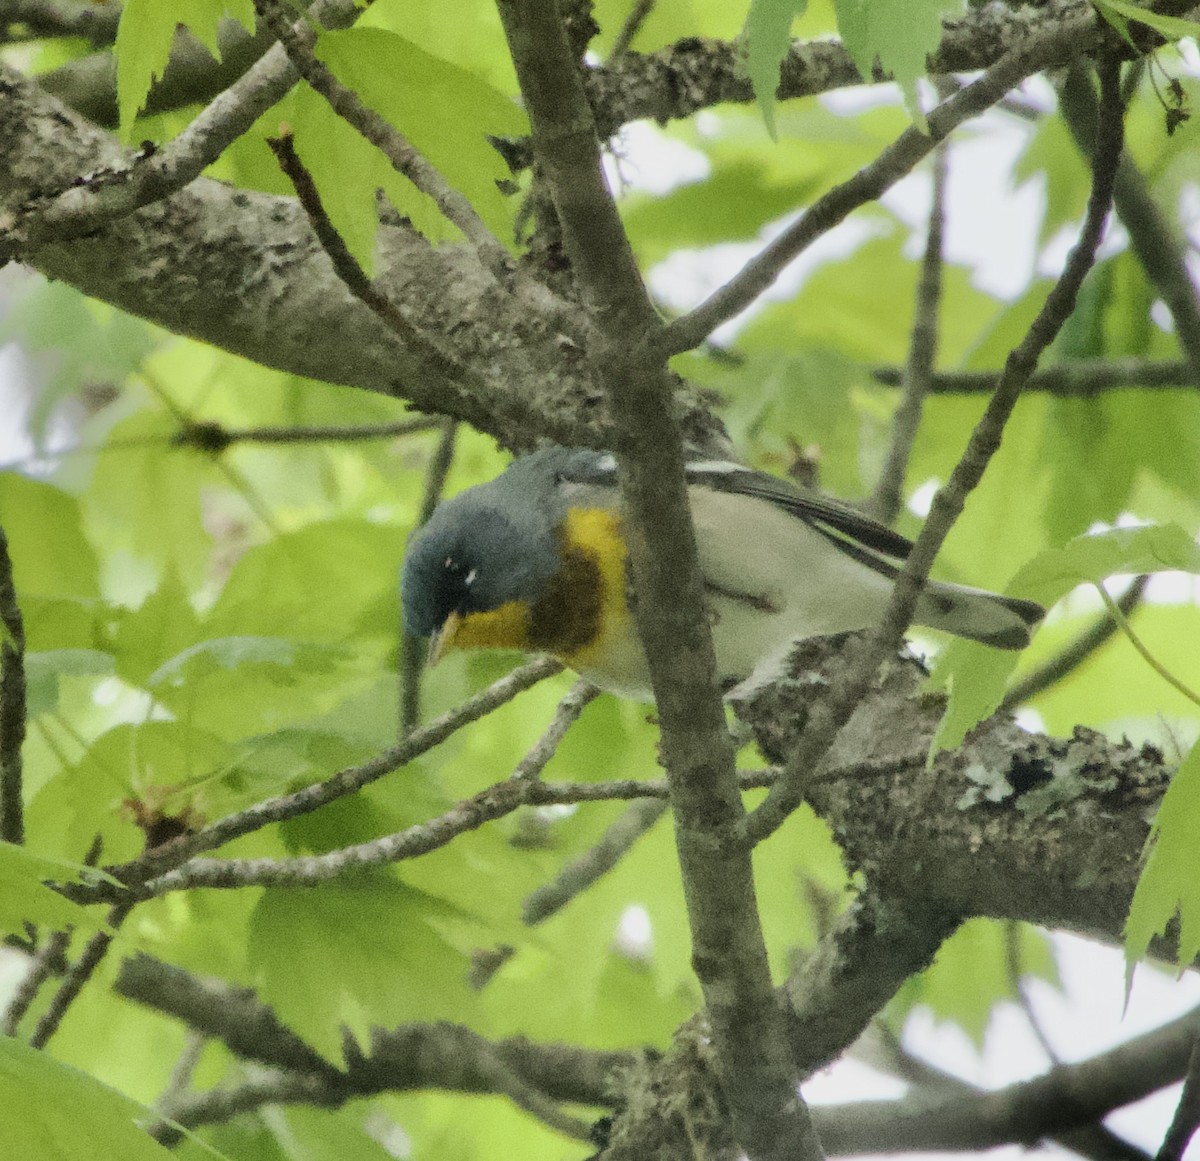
(206, 629)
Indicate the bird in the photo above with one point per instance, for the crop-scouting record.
(536, 560)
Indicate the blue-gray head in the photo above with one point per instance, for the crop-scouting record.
(490, 545)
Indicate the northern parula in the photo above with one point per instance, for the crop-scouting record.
(536, 560)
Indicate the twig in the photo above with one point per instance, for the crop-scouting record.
(569, 709)
(95, 23)
(581, 873)
(1151, 236)
(146, 177)
(214, 1008)
(135, 873)
(297, 41)
(1187, 1114)
(1016, 980)
(870, 182)
(12, 703)
(880, 1049)
(353, 276)
(1143, 650)
(922, 353)
(1083, 378)
(753, 1060)
(222, 1104)
(833, 712)
(183, 1070)
(412, 649)
(44, 964)
(632, 26)
(208, 436)
(1074, 653)
(78, 974)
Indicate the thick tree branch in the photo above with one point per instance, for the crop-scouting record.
(769, 1119)
(125, 185)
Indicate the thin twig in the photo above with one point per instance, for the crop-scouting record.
(78, 974)
(898, 159)
(297, 41)
(581, 873)
(12, 703)
(214, 437)
(183, 1069)
(1075, 652)
(1186, 1120)
(922, 352)
(565, 716)
(47, 962)
(1013, 933)
(412, 649)
(136, 872)
(1151, 236)
(828, 716)
(1143, 650)
(353, 276)
(1083, 378)
(632, 26)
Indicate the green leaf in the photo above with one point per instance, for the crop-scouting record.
(362, 950)
(971, 974)
(1170, 26)
(25, 898)
(65, 1115)
(146, 34)
(768, 37)
(900, 33)
(1168, 885)
(278, 655)
(50, 556)
(975, 676)
(445, 112)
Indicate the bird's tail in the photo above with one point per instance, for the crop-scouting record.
(1005, 622)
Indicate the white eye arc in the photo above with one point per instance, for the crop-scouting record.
(469, 579)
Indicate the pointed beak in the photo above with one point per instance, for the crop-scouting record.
(442, 641)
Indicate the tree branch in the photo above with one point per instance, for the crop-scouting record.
(1079, 377)
(834, 711)
(12, 703)
(873, 179)
(1074, 653)
(78, 975)
(144, 177)
(769, 1119)
(585, 871)
(297, 41)
(1151, 236)
(922, 353)
(135, 874)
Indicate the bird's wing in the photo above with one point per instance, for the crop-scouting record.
(851, 530)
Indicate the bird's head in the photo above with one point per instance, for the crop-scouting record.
(473, 571)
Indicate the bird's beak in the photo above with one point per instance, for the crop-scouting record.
(442, 642)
